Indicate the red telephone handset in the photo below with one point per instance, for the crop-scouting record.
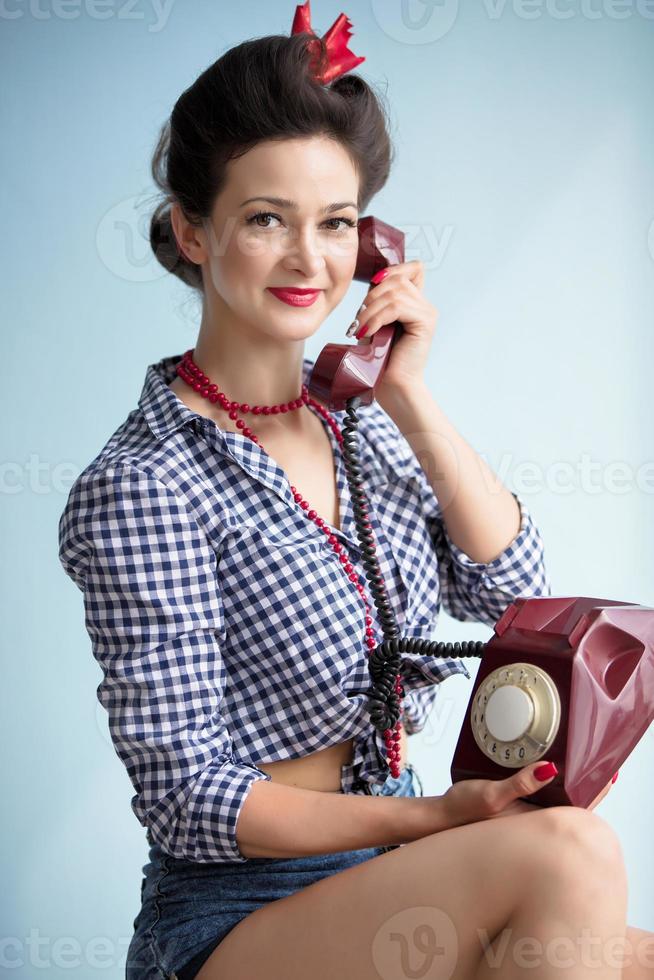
(569, 679)
(343, 370)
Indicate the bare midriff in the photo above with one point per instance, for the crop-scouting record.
(301, 447)
(321, 770)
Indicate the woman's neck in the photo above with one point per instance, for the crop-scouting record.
(297, 424)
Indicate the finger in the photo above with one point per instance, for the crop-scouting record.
(385, 309)
(413, 270)
(525, 781)
(372, 301)
(388, 313)
(370, 309)
(398, 288)
(395, 280)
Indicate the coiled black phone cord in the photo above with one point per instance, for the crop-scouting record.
(384, 704)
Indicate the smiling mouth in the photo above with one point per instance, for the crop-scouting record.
(292, 289)
(295, 297)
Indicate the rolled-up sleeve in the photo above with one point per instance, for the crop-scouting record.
(480, 591)
(154, 614)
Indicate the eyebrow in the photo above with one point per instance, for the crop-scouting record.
(284, 202)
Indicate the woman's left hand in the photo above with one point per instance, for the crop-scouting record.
(519, 806)
(399, 297)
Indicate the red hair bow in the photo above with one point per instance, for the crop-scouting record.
(340, 58)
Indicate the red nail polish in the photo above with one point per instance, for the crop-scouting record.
(378, 276)
(615, 776)
(362, 332)
(544, 772)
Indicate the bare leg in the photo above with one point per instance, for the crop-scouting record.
(422, 910)
(639, 955)
(568, 924)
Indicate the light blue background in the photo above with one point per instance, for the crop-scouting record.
(524, 183)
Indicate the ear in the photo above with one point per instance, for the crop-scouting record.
(186, 234)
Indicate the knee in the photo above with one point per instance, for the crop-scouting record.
(582, 837)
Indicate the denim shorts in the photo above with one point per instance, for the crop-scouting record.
(187, 907)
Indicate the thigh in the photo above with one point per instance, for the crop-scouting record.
(427, 906)
(187, 908)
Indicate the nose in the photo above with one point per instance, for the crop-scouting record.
(304, 255)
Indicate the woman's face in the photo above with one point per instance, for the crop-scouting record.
(305, 244)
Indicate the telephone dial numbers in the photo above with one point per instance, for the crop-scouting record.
(515, 714)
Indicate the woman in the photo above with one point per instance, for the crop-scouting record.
(226, 600)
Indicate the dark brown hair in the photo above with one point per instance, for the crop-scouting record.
(262, 89)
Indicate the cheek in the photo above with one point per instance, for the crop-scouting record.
(245, 262)
(343, 269)
(342, 254)
(341, 258)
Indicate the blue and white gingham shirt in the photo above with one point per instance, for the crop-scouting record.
(226, 629)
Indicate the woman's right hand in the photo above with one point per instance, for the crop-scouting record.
(471, 800)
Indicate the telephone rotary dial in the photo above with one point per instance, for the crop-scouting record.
(516, 714)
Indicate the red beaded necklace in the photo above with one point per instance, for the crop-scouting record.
(189, 372)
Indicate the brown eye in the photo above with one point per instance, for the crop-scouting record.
(262, 214)
(346, 221)
(255, 219)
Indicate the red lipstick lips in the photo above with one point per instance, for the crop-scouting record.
(296, 297)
